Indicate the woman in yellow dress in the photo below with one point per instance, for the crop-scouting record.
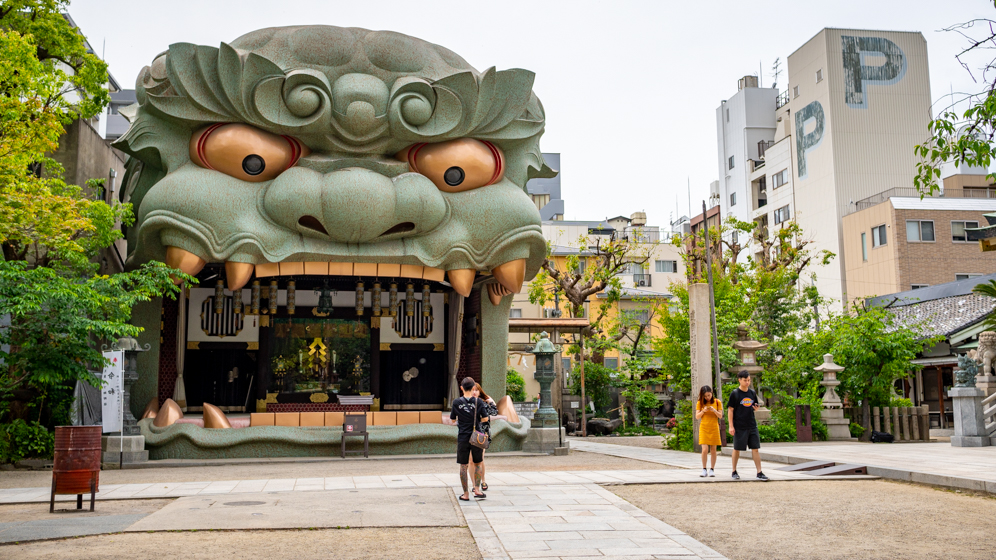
(708, 410)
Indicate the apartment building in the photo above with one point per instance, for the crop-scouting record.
(898, 241)
(641, 282)
(857, 103)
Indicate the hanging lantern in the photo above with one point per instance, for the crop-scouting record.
(375, 299)
(359, 299)
(325, 303)
(255, 298)
(426, 304)
(291, 297)
(219, 296)
(237, 301)
(273, 297)
(410, 300)
(392, 300)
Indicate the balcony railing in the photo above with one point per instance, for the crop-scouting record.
(642, 234)
(906, 192)
(641, 280)
(782, 99)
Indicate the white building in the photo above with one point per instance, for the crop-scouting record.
(857, 103)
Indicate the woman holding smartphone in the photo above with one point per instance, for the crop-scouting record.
(708, 410)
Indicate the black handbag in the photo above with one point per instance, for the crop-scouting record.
(881, 437)
(479, 438)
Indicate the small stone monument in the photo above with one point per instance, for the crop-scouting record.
(838, 427)
(545, 434)
(747, 352)
(129, 447)
(966, 399)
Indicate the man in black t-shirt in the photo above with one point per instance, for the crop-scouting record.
(468, 410)
(743, 427)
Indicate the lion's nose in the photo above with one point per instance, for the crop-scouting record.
(354, 205)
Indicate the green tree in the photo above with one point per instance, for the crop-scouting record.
(965, 138)
(988, 289)
(515, 385)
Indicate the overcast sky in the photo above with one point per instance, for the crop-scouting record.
(630, 88)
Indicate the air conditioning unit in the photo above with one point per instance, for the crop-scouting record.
(642, 283)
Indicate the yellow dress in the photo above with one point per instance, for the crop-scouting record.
(709, 425)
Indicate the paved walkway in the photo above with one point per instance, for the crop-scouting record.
(571, 521)
(496, 478)
(683, 459)
(929, 463)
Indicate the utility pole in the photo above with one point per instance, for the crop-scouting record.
(718, 388)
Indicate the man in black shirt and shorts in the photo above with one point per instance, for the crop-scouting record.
(468, 410)
(743, 427)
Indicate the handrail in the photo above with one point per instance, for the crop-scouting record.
(989, 399)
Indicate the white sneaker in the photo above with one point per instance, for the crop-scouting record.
(712, 472)
(704, 473)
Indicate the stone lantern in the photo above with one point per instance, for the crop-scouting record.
(544, 350)
(833, 412)
(747, 352)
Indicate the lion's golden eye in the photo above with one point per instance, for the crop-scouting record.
(458, 165)
(244, 152)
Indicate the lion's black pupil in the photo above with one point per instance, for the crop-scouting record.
(453, 176)
(254, 165)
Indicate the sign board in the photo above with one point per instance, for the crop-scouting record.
(575, 404)
(111, 392)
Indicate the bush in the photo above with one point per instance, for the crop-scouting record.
(20, 440)
(515, 385)
(897, 402)
(598, 380)
(856, 429)
(681, 438)
(643, 430)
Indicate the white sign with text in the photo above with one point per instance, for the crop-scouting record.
(111, 392)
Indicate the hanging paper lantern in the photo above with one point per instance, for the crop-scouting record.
(219, 296)
(375, 299)
(237, 301)
(359, 299)
(291, 297)
(410, 300)
(392, 300)
(273, 297)
(255, 297)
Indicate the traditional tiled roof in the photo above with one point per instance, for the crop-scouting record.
(944, 316)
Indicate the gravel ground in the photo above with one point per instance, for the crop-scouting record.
(654, 442)
(824, 520)
(66, 511)
(373, 543)
(575, 461)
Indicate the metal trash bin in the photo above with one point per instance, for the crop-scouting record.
(803, 423)
(76, 468)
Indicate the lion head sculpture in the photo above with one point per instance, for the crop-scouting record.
(311, 145)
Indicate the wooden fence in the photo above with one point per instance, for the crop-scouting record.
(905, 423)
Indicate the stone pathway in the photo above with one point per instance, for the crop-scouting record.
(681, 459)
(572, 521)
(179, 489)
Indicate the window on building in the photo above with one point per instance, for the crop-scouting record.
(780, 178)
(733, 199)
(582, 265)
(918, 286)
(878, 236)
(795, 92)
(782, 214)
(731, 162)
(667, 267)
(540, 200)
(958, 230)
(611, 363)
(966, 276)
(864, 246)
(515, 313)
(819, 75)
(918, 231)
(565, 363)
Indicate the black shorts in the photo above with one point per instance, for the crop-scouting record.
(744, 439)
(465, 450)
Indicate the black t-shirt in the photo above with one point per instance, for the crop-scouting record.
(463, 412)
(742, 403)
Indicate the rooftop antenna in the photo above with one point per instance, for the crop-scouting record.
(776, 70)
